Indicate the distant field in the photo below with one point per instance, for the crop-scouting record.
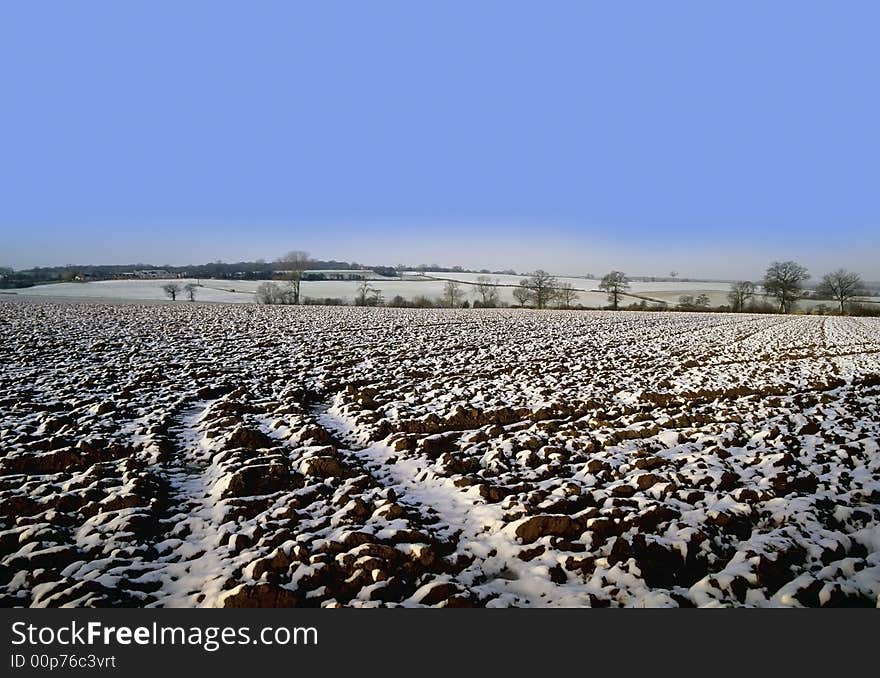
(412, 285)
(139, 290)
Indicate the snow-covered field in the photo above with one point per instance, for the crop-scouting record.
(431, 286)
(410, 287)
(222, 455)
(225, 291)
(413, 284)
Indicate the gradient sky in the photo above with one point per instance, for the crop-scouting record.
(706, 137)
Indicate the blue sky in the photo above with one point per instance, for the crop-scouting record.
(708, 137)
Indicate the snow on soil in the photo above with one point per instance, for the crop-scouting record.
(195, 455)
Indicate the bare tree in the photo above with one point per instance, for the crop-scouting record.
(686, 302)
(615, 284)
(267, 293)
(784, 280)
(171, 290)
(295, 263)
(273, 293)
(453, 295)
(190, 289)
(363, 293)
(487, 288)
(543, 287)
(739, 295)
(367, 295)
(702, 301)
(523, 294)
(842, 286)
(566, 295)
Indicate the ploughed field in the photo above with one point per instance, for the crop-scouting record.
(209, 455)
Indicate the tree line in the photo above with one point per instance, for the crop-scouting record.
(782, 281)
(539, 290)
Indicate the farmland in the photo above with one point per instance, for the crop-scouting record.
(409, 287)
(183, 455)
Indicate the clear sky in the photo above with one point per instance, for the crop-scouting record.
(707, 137)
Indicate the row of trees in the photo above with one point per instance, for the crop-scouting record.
(289, 293)
(173, 290)
(540, 290)
(784, 282)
